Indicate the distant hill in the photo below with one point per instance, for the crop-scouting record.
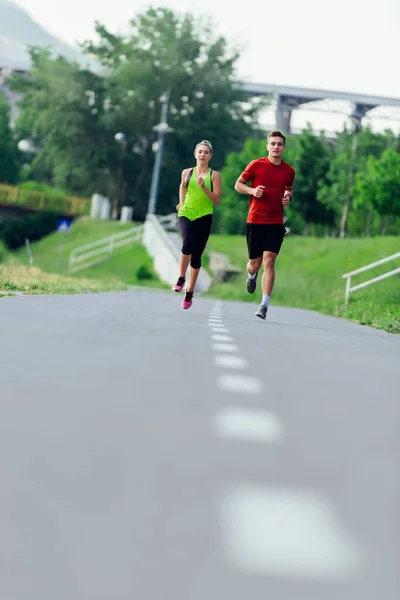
(18, 30)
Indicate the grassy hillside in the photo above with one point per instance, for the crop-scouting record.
(309, 275)
(130, 265)
(83, 231)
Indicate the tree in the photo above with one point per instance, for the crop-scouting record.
(378, 184)
(333, 192)
(61, 112)
(310, 155)
(182, 55)
(73, 114)
(9, 162)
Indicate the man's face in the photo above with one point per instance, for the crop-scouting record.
(275, 147)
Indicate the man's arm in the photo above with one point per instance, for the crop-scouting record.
(287, 196)
(242, 187)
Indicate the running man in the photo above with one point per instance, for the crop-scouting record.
(271, 186)
(199, 191)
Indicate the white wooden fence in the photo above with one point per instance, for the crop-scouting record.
(348, 276)
(96, 252)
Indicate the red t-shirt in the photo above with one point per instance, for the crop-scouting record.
(269, 208)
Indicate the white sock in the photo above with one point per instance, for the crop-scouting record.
(251, 276)
(265, 301)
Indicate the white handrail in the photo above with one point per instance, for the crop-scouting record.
(107, 248)
(95, 252)
(82, 257)
(105, 240)
(349, 275)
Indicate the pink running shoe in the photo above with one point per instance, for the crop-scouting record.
(187, 300)
(178, 287)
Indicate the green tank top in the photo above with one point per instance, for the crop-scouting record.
(197, 204)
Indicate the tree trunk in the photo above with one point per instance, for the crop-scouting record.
(369, 223)
(345, 213)
(385, 224)
(307, 229)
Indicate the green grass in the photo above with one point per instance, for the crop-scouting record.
(46, 251)
(309, 275)
(16, 278)
(130, 265)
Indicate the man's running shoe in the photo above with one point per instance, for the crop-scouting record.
(187, 300)
(251, 284)
(178, 287)
(261, 311)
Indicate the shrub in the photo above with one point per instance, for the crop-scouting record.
(144, 272)
(3, 252)
(14, 230)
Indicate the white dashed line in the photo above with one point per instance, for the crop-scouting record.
(218, 329)
(224, 347)
(228, 361)
(221, 338)
(239, 384)
(247, 424)
(288, 533)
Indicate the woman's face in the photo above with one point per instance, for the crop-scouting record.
(202, 153)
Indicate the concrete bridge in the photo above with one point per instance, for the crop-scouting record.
(290, 98)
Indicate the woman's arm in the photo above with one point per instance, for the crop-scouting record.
(215, 195)
(182, 189)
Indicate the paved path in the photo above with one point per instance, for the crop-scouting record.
(151, 453)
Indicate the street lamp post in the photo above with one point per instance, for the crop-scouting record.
(121, 139)
(356, 117)
(162, 128)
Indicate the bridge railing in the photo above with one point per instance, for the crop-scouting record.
(349, 275)
(34, 200)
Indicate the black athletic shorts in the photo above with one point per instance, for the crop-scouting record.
(261, 238)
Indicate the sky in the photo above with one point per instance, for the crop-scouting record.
(327, 44)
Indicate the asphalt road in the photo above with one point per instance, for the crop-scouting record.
(151, 453)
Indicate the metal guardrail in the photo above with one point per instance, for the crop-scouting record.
(71, 205)
(349, 275)
(91, 254)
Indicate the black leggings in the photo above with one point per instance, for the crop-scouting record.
(194, 236)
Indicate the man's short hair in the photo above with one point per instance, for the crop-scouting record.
(277, 133)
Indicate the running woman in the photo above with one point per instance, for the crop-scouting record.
(271, 186)
(199, 191)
